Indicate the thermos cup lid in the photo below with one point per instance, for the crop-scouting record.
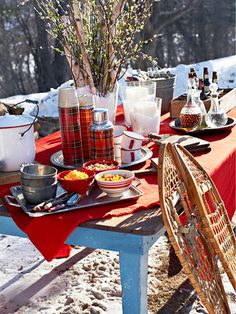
(100, 115)
(67, 97)
(86, 100)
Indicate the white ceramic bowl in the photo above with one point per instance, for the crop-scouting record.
(115, 188)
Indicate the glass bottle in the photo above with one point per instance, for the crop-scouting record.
(203, 96)
(206, 80)
(190, 114)
(200, 103)
(214, 77)
(216, 115)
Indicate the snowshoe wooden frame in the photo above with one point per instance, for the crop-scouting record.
(187, 236)
(211, 209)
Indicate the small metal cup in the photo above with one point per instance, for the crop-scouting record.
(39, 182)
(36, 195)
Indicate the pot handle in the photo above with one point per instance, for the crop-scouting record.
(9, 199)
(36, 116)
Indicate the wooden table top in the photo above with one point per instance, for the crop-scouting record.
(143, 222)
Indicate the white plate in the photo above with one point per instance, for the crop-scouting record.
(58, 160)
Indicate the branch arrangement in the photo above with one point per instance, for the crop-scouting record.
(98, 36)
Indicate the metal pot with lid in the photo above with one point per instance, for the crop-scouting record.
(17, 144)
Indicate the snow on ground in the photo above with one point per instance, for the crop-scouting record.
(88, 282)
(225, 67)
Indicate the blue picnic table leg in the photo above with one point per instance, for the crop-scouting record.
(133, 272)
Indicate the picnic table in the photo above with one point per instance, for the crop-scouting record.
(128, 229)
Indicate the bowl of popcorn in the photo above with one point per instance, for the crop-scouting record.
(77, 180)
(99, 165)
(114, 182)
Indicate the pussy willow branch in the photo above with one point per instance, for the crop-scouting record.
(79, 29)
(98, 37)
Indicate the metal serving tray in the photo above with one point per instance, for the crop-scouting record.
(57, 159)
(96, 198)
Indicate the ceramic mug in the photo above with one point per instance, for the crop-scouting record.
(118, 134)
(128, 156)
(131, 140)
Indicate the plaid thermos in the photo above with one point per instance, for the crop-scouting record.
(86, 107)
(68, 106)
(101, 135)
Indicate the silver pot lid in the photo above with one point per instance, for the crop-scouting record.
(13, 121)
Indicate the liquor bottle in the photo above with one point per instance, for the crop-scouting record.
(214, 77)
(203, 96)
(206, 80)
(196, 97)
(192, 72)
(216, 116)
(190, 114)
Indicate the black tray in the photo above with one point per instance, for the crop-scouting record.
(175, 124)
(96, 197)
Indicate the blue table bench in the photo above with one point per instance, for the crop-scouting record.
(132, 236)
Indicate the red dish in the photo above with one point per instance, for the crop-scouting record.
(99, 165)
(79, 186)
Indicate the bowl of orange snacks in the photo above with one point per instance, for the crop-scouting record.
(77, 180)
(114, 182)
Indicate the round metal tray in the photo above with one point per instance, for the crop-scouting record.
(175, 124)
(58, 160)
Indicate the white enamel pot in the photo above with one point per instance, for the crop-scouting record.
(17, 144)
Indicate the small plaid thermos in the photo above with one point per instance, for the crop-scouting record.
(101, 135)
(86, 107)
(69, 117)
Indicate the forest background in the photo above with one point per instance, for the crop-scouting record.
(189, 31)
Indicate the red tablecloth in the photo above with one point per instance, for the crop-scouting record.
(49, 233)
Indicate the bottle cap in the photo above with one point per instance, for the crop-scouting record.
(67, 97)
(100, 115)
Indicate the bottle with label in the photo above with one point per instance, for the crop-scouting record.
(69, 117)
(203, 96)
(192, 72)
(216, 116)
(214, 77)
(86, 107)
(101, 135)
(206, 80)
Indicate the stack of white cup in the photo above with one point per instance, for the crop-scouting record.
(131, 147)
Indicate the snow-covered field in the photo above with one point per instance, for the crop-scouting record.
(89, 282)
(225, 67)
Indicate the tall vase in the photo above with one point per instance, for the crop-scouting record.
(109, 102)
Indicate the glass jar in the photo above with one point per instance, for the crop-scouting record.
(191, 114)
(216, 116)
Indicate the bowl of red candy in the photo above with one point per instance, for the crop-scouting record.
(77, 180)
